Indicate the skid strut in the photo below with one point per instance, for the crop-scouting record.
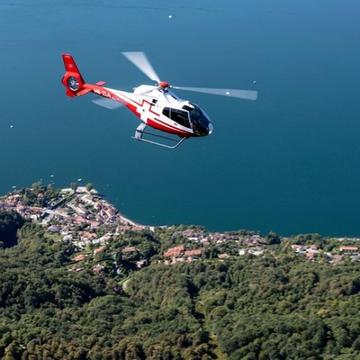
(140, 131)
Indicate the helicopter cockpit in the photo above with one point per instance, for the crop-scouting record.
(190, 116)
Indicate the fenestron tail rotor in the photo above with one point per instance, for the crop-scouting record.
(140, 60)
(236, 93)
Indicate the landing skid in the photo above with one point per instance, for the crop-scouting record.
(140, 131)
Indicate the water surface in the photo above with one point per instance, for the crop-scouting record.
(289, 162)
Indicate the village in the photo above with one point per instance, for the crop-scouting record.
(76, 215)
(256, 245)
(83, 217)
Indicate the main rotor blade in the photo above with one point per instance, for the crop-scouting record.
(108, 103)
(236, 93)
(140, 60)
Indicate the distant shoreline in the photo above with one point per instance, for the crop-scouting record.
(137, 224)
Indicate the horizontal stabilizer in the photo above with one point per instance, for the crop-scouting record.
(100, 83)
(108, 103)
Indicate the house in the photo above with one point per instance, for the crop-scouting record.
(67, 190)
(175, 260)
(328, 256)
(99, 250)
(256, 251)
(310, 256)
(219, 238)
(300, 249)
(120, 229)
(253, 240)
(193, 234)
(86, 235)
(80, 257)
(348, 249)
(98, 268)
(137, 227)
(79, 220)
(193, 238)
(355, 257)
(174, 251)
(53, 229)
(67, 237)
(94, 224)
(312, 250)
(81, 189)
(103, 239)
(336, 259)
(194, 253)
(129, 250)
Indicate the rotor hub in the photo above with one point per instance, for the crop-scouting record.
(164, 84)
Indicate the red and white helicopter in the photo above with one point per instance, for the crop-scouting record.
(155, 105)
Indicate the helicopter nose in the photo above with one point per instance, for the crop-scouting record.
(211, 128)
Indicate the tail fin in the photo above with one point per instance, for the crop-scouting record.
(72, 80)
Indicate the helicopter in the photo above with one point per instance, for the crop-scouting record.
(156, 106)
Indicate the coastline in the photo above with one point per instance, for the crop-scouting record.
(82, 216)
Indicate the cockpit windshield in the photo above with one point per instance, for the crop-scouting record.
(196, 114)
(198, 119)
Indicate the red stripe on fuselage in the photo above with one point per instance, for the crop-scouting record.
(133, 109)
(142, 104)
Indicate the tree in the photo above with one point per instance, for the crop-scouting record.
(272, 238)
(10, 223)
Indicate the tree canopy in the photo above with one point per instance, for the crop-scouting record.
(278, 306)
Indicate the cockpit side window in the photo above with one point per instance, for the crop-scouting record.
(180, 116)
(166, 112)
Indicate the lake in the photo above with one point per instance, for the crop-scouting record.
(288, 162)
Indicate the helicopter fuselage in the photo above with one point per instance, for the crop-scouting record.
(161, 109)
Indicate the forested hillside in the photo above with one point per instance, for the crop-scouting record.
(277, 306)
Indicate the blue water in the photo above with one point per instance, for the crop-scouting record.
(288, 163)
